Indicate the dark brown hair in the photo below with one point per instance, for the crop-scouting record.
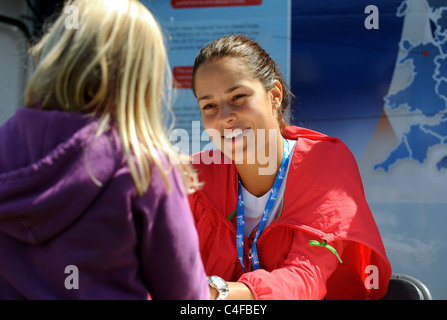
(258, 61)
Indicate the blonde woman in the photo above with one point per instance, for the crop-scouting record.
(90, 205)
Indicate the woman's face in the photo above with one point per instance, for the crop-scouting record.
(237, 112)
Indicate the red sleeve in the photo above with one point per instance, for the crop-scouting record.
(303, 276)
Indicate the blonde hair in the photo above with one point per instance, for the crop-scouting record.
(113, 64)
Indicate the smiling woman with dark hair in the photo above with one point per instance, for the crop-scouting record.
(300, 231)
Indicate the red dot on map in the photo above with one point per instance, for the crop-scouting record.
(425, 53)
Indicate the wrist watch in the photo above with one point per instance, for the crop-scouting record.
(221, 286)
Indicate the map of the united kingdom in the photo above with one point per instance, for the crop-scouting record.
(425, 96)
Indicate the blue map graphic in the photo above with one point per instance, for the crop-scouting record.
(426, 95)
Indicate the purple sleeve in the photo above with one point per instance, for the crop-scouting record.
(171, 263)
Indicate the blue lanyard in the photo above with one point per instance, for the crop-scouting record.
(268, 208)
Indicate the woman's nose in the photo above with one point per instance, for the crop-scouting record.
(227, 114)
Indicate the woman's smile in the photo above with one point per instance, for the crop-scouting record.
(235, 134)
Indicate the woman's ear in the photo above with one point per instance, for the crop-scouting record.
(276, 94)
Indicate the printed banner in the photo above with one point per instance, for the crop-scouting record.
(182, 4)
(191, 24)
(372, 74)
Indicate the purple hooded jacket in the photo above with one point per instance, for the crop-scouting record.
(64, 237)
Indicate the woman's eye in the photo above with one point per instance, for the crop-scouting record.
(238, 96)
(208, 106)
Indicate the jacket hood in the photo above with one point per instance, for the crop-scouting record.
(47, 161)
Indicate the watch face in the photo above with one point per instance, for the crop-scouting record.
(219, 282)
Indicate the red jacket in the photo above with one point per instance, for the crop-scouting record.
(324, 201)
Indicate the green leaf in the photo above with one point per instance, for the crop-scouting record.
(315, 243)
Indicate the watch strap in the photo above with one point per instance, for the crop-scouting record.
(221, 286)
